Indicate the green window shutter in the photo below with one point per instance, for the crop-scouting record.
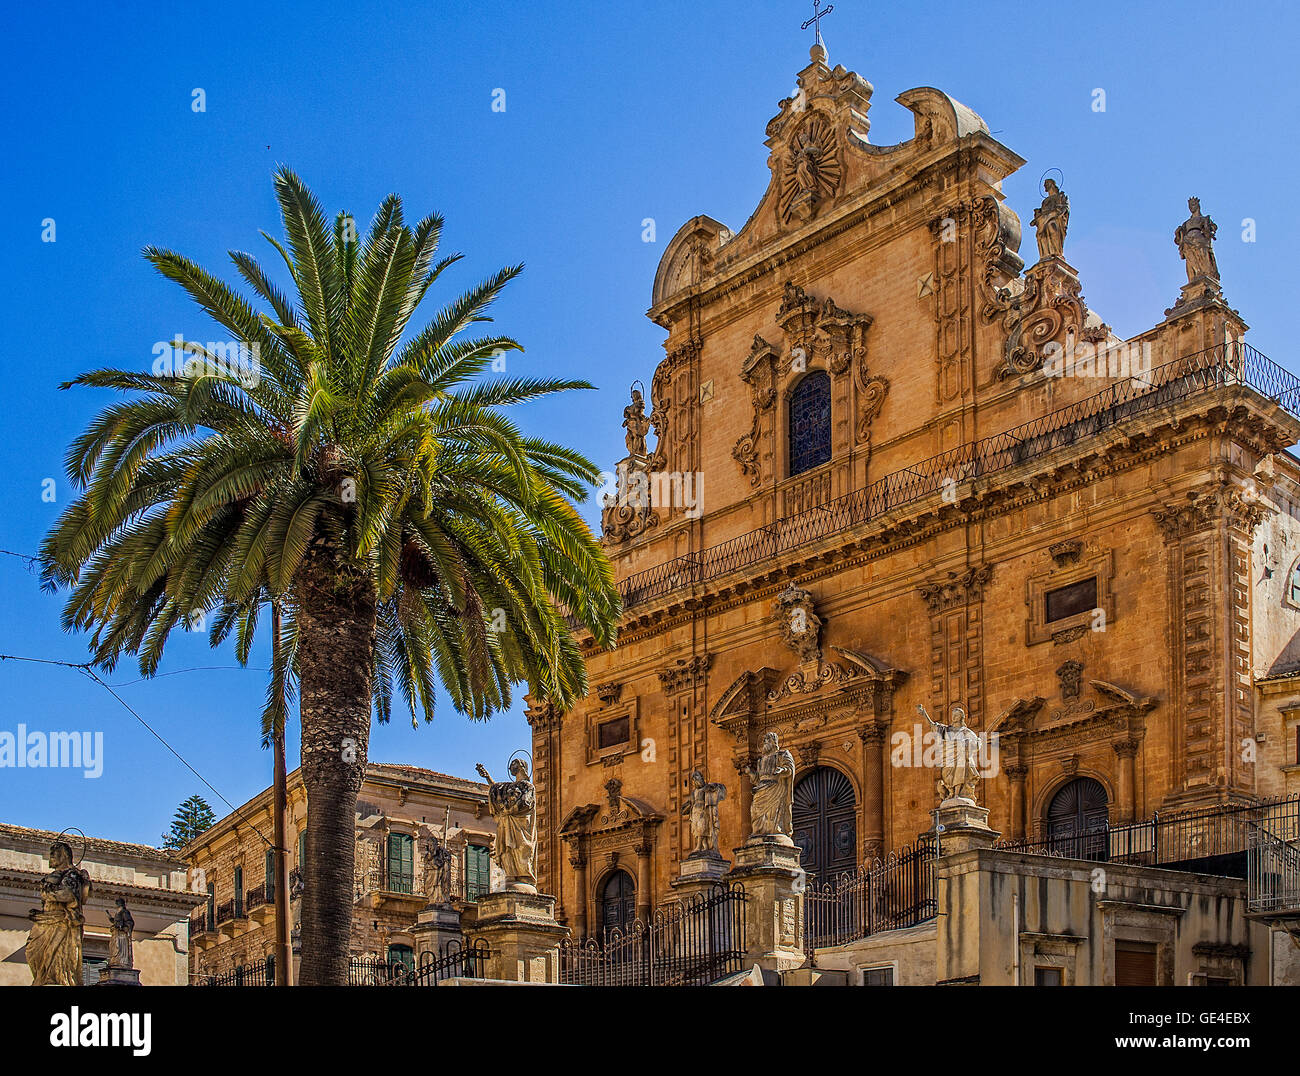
(270, 875)
(239, 892)
(212, 906)
(478, 872)
(401, 863)
(302, 850)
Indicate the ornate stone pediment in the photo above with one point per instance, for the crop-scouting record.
(809, 137)
(1110, 714)
(819, 335)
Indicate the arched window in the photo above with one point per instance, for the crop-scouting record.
(616, 906)
(1077, 819)
(810, 422)
(825, 824)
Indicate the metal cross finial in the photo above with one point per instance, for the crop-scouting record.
(815, 21)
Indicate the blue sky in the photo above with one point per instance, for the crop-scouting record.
(614, 113)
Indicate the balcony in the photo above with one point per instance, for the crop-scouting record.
(203, 931)
(260, 903)
(1224, 369)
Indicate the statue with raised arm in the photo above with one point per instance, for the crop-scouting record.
(1050, 221)
(702, 807)
(959, 754)
(771, 805)
(1195, 239)
(55, 942)
(514, 810)
(121, 946)
(636, 424)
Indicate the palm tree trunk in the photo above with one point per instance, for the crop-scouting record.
(336, 624)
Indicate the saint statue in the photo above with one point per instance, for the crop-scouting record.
(702, 806)
(437, 866)
(959, 767)
(771, 804)
(54, 944)
(1195, 239)
(121, 946)
(514, 810)
(1051, 220)
(636, 424)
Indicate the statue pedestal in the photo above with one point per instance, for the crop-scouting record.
(118, 977)
(699, 873)
(434, 927)
(522, 936)
(961, 825)
(768, 868)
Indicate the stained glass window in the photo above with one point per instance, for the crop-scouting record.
(810, 422)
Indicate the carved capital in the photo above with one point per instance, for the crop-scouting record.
(685, 674)
(956, 589)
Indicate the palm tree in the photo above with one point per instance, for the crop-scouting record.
(362, 478)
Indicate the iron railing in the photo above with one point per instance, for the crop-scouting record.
(1213, 839)
(1235, 364)
(259, 974)
(456, 961)
(692, 943)
(1272, 872)
(890, 894)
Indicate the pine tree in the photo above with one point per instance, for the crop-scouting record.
(192, 817)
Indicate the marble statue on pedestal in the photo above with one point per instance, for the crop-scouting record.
(514, 810)
(55, 943)
(1051, 220)
(959, 769)
(121, 946)
(771, 805)
(1195, 239)
(702, 807)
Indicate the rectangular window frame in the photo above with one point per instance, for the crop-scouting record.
(1038, 629)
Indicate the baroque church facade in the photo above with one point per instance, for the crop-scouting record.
(899, 462)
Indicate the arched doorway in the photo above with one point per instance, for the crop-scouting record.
(825, 823)
(1077, 817)
(616, 903)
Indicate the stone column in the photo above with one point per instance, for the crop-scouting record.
(643, 903)
(1017, 774)
(1126, 753)
(578, 862)
(768, 868)
(522, 937)
(873, 790)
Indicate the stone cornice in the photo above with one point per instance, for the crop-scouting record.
(1044, 477)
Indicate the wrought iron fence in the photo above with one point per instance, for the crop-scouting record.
(1272, 872)
(258, 974)
(890, 894)
(692, 943)
(1225, 365)
(1193, 837)
(457, 960)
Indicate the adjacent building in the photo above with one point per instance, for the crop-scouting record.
(403, 812)
(153, 883)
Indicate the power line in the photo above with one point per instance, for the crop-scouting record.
(85, 668)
